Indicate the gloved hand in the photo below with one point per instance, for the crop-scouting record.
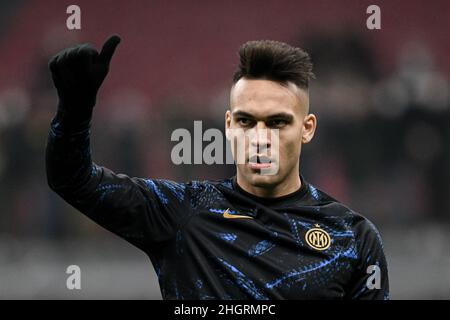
(78, 73)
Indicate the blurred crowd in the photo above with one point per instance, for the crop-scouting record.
(382, 143)
(383, 140)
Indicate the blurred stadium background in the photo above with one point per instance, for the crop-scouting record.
(382, 99)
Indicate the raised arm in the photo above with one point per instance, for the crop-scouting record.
(136, 209)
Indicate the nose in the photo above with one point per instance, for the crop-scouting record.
(260, 137)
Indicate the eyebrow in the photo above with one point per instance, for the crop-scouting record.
(280, 115)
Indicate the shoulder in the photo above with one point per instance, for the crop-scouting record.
(163, 189)
(362, 227)
(209, 185)
(198, 192)
(192, 186)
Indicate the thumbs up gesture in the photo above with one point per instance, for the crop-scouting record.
(78, 73)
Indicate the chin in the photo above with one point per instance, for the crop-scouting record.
(264, 181)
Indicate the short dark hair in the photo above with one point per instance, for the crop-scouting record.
(276, 61)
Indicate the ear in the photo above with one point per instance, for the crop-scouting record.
(227, 124)
(309, 128)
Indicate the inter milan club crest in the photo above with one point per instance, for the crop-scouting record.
(318, 238)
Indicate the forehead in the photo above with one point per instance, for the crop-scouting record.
(262, 97)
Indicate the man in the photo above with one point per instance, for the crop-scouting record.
(252, 236)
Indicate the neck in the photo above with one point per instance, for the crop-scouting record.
(289, 185)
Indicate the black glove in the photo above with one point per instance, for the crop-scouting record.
(78, 73)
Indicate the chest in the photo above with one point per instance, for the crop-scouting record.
(289, 257)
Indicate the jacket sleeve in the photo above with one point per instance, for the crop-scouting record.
(370, 280)
(144, 212)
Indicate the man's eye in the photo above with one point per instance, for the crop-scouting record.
(244, 122)
(277, 123)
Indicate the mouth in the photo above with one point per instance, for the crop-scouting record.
(260, 162)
